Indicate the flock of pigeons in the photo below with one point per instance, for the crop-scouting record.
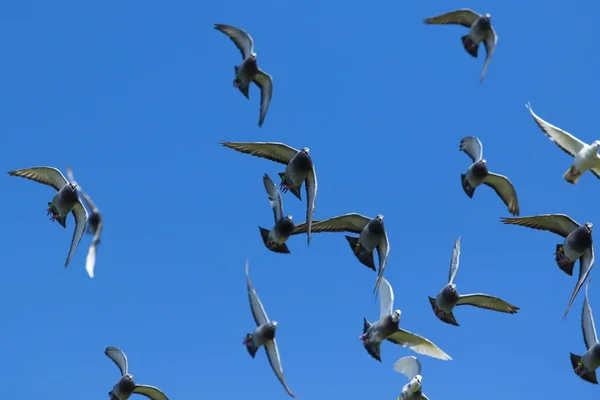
(299, 169)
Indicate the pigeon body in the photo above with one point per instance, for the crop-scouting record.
(585, 366)
(264, 334)
(248, 70)
(387, 328)
(410, 367)
(478, 174)
(578, 243)
(480, 31)
(448, 298)
(126, 386)
(66, 200)
(299, 169)
(585, 156)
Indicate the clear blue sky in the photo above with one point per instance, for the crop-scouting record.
(135, 96)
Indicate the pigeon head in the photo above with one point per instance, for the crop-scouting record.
(269, 330)
(588, 226)
(396, 316)
(596, 143)
(305, 150)
(480, 169)
(286, 225)
(253, 56)
(126, 384)
(69, 193)
(415, 384)
(486, 20)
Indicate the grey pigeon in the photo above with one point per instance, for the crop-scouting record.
(275, 238)
(64, 201)
(126, 386)
(585, 366)
(478, 173)
(411, 368)
(449, 297)
(386, 328)
(480, 30)
(94, 226)
(372, 236)
(248, 71)
(264, 334)
(586, 156)
(299, 168)
(578, 243)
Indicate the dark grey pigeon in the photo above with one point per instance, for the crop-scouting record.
(248, 71)
(275, 238)
(264, 334)
(299, 168)
(585, 366)
(448, 297)
(66, 200)
(94, 226)
(126, 386)
(480, 30)
(478, 174)
(578, 243)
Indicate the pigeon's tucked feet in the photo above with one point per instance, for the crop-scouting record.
(580, 369)
(52, 210)
(237, 82)
(247, 340)
(285, 185)
(363, 337)
(438, 313)
(561, 258)
(271, 245)
(357, 250)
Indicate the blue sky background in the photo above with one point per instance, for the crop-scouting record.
(135, 96)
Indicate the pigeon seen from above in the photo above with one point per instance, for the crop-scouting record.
(372, 236)
(578, 243)
(411, 368)
(585, 366)
(478, 173)
(264, 334)
(480, 31)
(248, 71)
(299, 168)
(448, 297)
(586, 156)
(94, 226)
(126, 386)
(66, 200)
(386, 328)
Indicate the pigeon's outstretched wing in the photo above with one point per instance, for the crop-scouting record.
(417, 344)
(274, 197)
(81, 216)
(278, 152)
(386, 298)
(408, 366)
(265, 83)
(119, 358)
(504, 188)
(586, 262)
(464, 17)
(275, 361)
(150, 392)
(472, 147)
(47, 175)
(560, 224)
(488, 302)
(454, 261)
(587, 321)
(258, 311)
(242, 40)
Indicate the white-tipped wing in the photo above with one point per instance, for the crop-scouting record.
(454, 261)
(587, 321)
(242, 40)
(418, 344)
(488, 302)
(489, 42)
(275, 361)
(567, 142)
(90, 261)
(560, 224)
(258, 311)
(265, 83)
(278, 152)
(274, 197)
(47, 175)
(383, 250)
(586, 262)
(408, 366)
(386, 298)
(119, 358)
(150, 392)
(464, 17)
(504, 188)
(472, 147)
(81, 217)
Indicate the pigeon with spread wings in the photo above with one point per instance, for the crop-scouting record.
(585, 366)
(480, 31)
(410, 367)
(248, 71)
(66, 200)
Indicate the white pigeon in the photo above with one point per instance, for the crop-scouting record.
(411, 368)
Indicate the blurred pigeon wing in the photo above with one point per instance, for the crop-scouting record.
(150, 392)
(454, 261)
(490, 45)
(343, 223)
(274, 197)
(417, 344)
(488, 302)
(586, 262)
(311, 196)
(472, 147)
(275, 361)
(386, 298)
(567, 142)
(560, 224)
(258, 311)
(383, 249)
(119, 358)
(274, 151)
(70, 174)
(90, 261)
(464, 17)
(265, 83)
(587, 321)
(505, 190)
(47, 175)
(81, 217)
(242, 40)
(408, 366)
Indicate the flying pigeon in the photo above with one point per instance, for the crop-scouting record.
(248, 71)
(275, 238)
(126, 386)
(578, 243)
(299, 168)
(448, 297)
(372, 236)
(94, 226)
(480, 30)
(586, 156)
(585, 366)
(264, 334)
(63, 202)
(478, 173)
(411, 368)
(387, 328)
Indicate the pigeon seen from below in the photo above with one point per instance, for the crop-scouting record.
(448, 297)
(66, 200)
(578, 243)
(386, 328)
(264, 334)
(299, 168)
(585, 366)
(94, 226)
(478, 173)
(126, 386)
(586, 156)
(248, 71)
(411, 368)
(480, 30)
(372, 236)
